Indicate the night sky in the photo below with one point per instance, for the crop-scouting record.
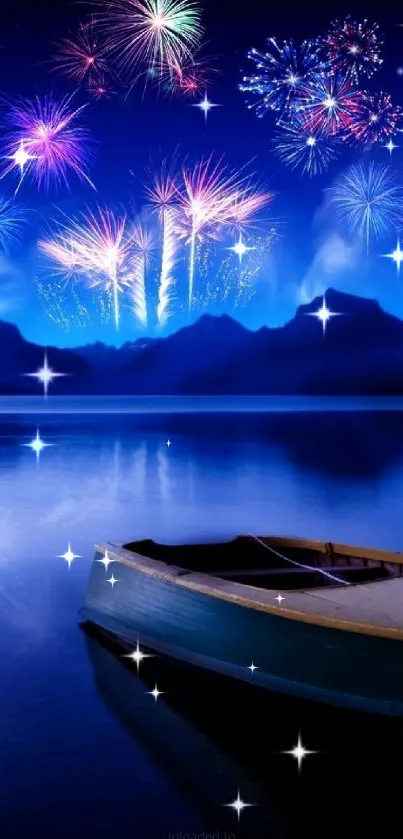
(134, 132)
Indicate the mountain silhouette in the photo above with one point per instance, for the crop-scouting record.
(360, 353)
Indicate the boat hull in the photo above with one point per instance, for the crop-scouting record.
(334, 666)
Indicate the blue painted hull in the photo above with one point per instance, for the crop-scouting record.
(333, 666)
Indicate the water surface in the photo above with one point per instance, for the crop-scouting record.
(84, 750)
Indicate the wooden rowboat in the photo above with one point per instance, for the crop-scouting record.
(318, 620)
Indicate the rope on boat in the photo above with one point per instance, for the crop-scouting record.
(300, 564)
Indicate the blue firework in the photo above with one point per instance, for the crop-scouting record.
(368, 200)
(279, 74)
(298, 147)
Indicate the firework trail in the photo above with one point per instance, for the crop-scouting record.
(143, 242)
(354, 48)
(297, 147)
(150, 33)
(163, 197)
(280, 72)
(46, 140)
(81, 58)
(98, 248)
(328, 104)
(375, 119)
(11, 219)
(368, 200)
(211, 199)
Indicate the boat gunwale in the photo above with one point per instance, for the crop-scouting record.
(238, 592)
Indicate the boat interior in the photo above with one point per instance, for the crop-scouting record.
(277, 562)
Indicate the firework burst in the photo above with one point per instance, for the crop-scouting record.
(298, 147)
(163, 197)
(97, 248)
(368, 200)
(143, 246)
(189, 77)
(81, 58)
(328, 104)
(12, 218)
(213, 198)
(280, 72)
(150, 33)
(47, 140)
(354, 48)
(375, 120)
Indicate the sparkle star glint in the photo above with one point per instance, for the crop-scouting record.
(137, 656)
(240, 249)
(390, 146)
(299, 752)
(45, 375)
(168, 443)
(155, 693)
(69, 556)
(105, 561)
(37, 445)
(279, 598)
(323, 314)
(205, 105)
(396, 256)
(112, 580)
(252, 667)
(238, 805)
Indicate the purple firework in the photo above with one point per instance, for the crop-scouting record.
(47, 140)
(375, 120)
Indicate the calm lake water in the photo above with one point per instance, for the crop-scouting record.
(84, 750)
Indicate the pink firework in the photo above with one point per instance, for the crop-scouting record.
(99, 88)
(98, 247)
(212, 198)
(189, 77)
(375, 120)
(81, 58)
(328, 104)
(47, 140)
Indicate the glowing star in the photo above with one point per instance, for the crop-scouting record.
(205, 105)
(137, 656)
(279, 598)
(238, 805)
(112, 581)
(69, 556)
(252, 667)
(323, 314)
(19, 160)
(299, 752)
(390, 146)
(396, 256)
(240, 249)
(399, 71)
(37, 445)
(169, 443)
(155, 693)
(105, 561)
(45, 375)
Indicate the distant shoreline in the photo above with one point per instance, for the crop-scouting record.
(194, 404)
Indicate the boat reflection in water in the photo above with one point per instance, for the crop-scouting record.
(213, 738)
(189, 733)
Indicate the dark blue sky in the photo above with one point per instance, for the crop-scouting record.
(312, 251)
